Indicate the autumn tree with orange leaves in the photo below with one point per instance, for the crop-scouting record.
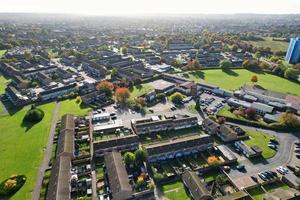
(212, 160)
(105, 86)
(122, 94)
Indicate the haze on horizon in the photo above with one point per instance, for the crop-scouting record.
(134, 7)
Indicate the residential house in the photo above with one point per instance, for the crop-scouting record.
(195, 187)
(210, 126)
(156, 124)
(58, 91)
(117, 177)
(123, 143)
(178, 147)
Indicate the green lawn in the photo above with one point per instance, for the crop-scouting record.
(171, 186)
(268, 42)
(3, 83)
(139, 90)
(234, 79)
(174, 191)
(261, 139)
(192, 109)
(211, 175)
(21, 151)
(71, 107)
(257, 193)
(2, 52)
(225, 112)
(178, 194)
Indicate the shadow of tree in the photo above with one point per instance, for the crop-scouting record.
(139, 87)
(27, 125)
(256, 70)
(198, 74)
(230, 72)
(259, 159)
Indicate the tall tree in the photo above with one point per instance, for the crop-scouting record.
(122, 94)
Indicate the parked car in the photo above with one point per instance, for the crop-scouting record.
(262, 177)
(226, 168)
(173, 108)
(254, 178)
(298, 156)
(274, 141)
(272, 146)
(241, 167)
(151, 110)
(282, 170)
(292, 168)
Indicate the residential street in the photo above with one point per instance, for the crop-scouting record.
(282, 156)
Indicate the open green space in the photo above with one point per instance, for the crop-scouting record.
(257, 193)
(2, 52)
(3, 84)
(225, 112)
(174, 191)
(261, 139)
(269, 42)
(22, 147)
(72, 107)
(177, 194)
(139, 90)
(234, 79)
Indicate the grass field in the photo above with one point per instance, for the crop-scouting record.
(21, 149)
(225, 112)
(2, 52)
(174, 191)
(257, 193)
(3, 83)
(261, 139)
(139, 90)
(234, 79)
(268, 42)
(71, 107)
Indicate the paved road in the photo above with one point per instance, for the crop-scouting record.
(47, 155)
(282, 156)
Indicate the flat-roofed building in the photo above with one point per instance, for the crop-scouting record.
(155, 124)
(178, 147)
(122, 143)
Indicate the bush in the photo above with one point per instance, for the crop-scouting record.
(176, 97)
(11, 185)
(158, 176)
(34, 115)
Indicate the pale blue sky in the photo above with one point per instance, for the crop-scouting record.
(100, 7)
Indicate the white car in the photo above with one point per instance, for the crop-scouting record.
(282, 170)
